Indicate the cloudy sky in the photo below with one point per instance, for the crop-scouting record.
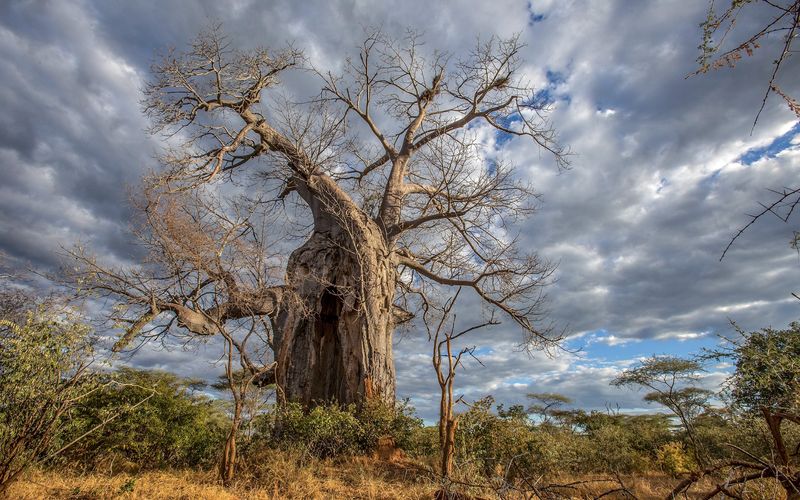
(664, 172)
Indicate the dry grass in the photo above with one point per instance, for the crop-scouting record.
(292, 476)
(173, 484)
(658, 486)
(275, 479)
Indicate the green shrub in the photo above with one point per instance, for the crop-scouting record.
(333, 430)
(173, 427)
(324, 431)
(508, 442)
(44, 375)
(611, 450)
(423, 442)
(378, 419)
(503, 443)
(674, 459)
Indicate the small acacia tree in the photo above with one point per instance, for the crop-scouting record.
(669, 379)
(547, 405)
(395, 193)
(446, 362)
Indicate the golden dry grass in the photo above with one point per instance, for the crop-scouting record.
(357, 479)
(286, 476)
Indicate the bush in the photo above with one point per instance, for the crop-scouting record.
(490, 441)
(333, 430)
(674, 459)
(172, 426)
(44, 363)
(379, 419)
(324, 431)
(610, 450)
(423, 442)
(510, 443)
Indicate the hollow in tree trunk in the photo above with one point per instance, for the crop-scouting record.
(333, 336)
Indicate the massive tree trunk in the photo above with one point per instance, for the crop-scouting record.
(333, 337)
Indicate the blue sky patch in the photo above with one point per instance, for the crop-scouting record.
(771, 150)
(596, 346)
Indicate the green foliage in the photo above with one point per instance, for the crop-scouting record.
(620, 443)
(673, 458)
(173, 427)
(324, 431)
(547, 405)
(767, 369)
(424, 442)
(379, 419)
(43, 375)
(577, 442)
(690, 401)
(490, 440)
(658, 371)
(612, 448)
(332, 430)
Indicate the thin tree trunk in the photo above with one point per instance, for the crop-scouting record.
(789, 482)
(449, 446)
(227, 466)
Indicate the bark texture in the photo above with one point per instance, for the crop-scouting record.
(334, 335)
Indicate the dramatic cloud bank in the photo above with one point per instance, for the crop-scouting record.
(665, 168)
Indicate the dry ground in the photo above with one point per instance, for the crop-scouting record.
(353, 479)
(287, 478)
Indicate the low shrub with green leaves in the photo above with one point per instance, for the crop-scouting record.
(674, 459)
(333, 430)
(510, 443)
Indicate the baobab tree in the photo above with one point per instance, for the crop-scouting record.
(394, 189)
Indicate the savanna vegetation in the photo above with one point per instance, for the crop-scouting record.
(89, 432)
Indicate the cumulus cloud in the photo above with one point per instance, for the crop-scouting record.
(664, 171)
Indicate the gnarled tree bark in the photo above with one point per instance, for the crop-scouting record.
(334, 335)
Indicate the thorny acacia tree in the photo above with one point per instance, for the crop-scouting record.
(670, 379)
(387, 165)
(547, 405)
(765, 384)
